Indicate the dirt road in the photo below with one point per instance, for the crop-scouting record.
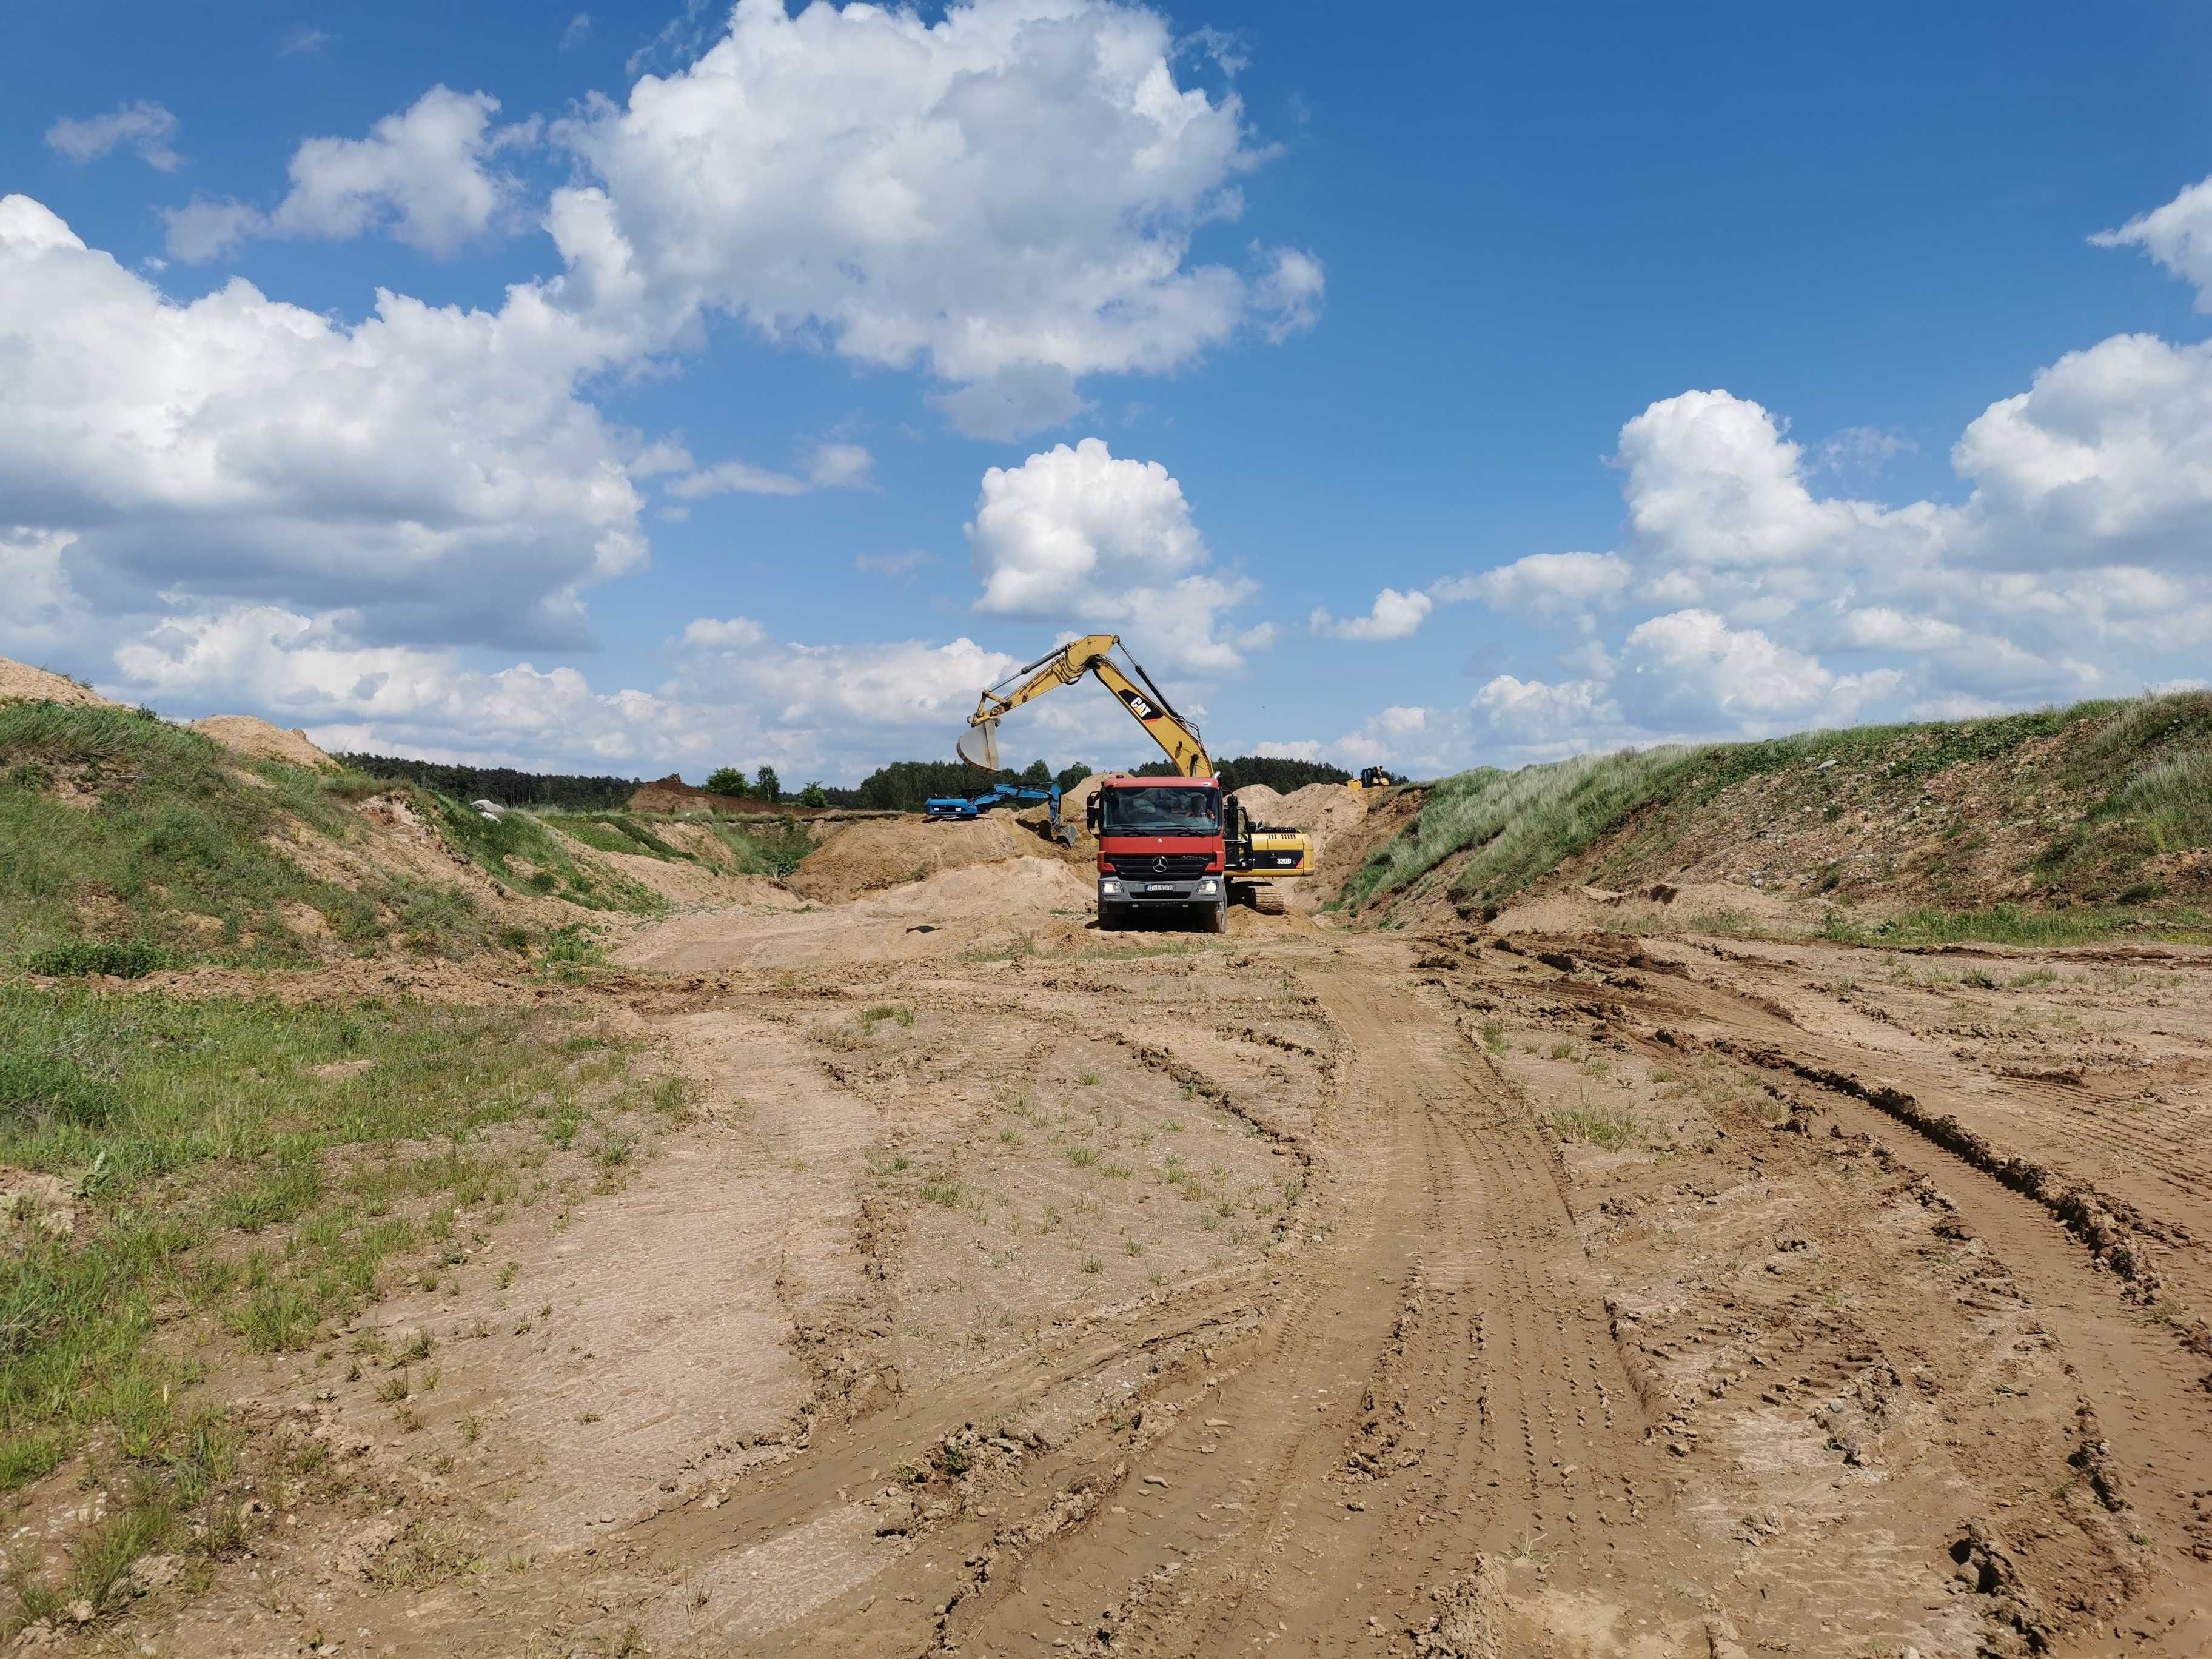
(1025, 1290)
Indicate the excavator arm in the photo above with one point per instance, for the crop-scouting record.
(1092, 654)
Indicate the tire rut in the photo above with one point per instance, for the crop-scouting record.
(1442, 1386)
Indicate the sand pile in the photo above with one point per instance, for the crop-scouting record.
(242, 734)
(1323, 810)
(878, 853)
(1030, 886)
(19, 679)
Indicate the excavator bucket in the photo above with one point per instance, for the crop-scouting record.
(979, 745)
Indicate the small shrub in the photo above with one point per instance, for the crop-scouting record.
(1613, 1127)
(126, 959)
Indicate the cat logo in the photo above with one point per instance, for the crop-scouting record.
(1138, 707)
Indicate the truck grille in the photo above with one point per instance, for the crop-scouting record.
(1159, 866)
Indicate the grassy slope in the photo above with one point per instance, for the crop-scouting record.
(184, 1175)
(129, 843)
(2101, 793)
(762, 846)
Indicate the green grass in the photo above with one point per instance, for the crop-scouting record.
(2013, 923)
(617, 832)
(517, 836)
(762, 845)
(214, 1174)
(2139, 775)
(122, 833)
(124, 958)
(1612, 1127)
(1516, 826)
(2172, 801)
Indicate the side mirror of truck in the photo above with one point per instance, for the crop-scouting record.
(1091, 813)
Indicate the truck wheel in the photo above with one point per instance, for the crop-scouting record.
(1112, 917)
(1214, 919)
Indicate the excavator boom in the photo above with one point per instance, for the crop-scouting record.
(1178, 737)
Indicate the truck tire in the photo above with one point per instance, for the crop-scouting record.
(1214, 918)
(1112, 918)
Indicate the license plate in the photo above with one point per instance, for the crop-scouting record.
(1160, 887)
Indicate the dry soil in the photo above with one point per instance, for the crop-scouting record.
(1024, 1289)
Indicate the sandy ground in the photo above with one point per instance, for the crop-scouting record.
(1022, 1289)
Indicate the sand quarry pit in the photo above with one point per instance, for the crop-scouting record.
(1581, 1285)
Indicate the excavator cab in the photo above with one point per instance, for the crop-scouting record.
(1374, 777)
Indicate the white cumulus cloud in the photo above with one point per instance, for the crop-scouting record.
(424, 174)
(432, 468)
(1006, 198)
(1692, 668)
(1082, 537)
(1530, 713)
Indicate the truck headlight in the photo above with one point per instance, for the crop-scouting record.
(1109, 886)
(1208, 885)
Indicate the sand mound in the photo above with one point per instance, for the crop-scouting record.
(19, 679)
(983, 892)
(879, 853)
(256, 739)
(1323, 810)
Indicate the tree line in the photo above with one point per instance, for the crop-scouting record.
(561, 791)
(901, 786)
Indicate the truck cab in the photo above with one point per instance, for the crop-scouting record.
(1161, 842)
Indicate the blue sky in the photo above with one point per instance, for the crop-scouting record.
(752, 387)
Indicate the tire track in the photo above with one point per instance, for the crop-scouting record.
(1444, 1387)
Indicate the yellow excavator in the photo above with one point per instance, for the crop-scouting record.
(1163, 841)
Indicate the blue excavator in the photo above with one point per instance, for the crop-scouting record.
(940, 809)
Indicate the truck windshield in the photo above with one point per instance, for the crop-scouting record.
(1160, 811)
